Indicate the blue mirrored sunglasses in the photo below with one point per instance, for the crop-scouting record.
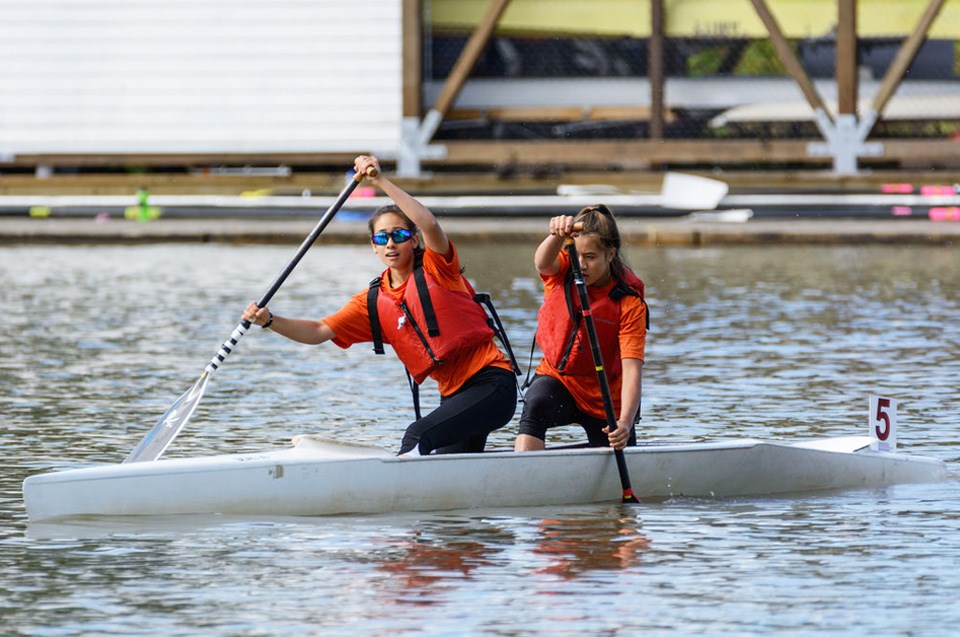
(399, 236)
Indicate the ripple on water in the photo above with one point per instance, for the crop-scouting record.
(767, 343)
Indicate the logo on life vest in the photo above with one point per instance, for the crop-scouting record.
(401, 322)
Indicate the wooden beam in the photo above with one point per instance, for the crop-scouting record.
(905, 56)
(605, 154)
(629, 113)
(412, 57)
(789, 58)
(847, 61)
(520, 114)
(629, 154)
(469, 56)
(625, 154)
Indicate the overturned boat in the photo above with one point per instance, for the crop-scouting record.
(320, 477)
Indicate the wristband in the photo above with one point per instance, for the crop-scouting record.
(269, 321)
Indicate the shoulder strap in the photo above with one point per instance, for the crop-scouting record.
(497, 327)
(621, 290)
(530, 367)
(374, 315)
(433, 329)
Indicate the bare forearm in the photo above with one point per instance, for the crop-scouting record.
(302, 330)
(629, 402)
(630, 392)
(545, 259)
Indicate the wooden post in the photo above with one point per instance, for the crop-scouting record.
(905, 56)
(412, 57)
(789, 58)
(847, 60)
(655, 72)
(468, 58)
(417, 137)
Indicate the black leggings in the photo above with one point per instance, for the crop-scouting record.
(464, 419)
(548, 403)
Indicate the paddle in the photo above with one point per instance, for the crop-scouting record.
(571, 247)
(156, 442)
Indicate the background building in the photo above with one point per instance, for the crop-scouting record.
(479, 84)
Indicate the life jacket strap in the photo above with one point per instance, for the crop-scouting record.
(429, 315)
(497, 327)
(419, 332)
(433, 328)
(415, 392)
(374, 316)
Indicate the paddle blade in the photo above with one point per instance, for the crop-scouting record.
(156, 442)
(629, 497)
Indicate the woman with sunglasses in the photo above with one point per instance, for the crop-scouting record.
(565, 388)
(423, 307)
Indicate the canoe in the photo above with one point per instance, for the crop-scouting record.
(320, 477)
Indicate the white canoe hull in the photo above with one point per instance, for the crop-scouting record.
(319, 478)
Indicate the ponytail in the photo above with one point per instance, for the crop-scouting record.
(598, 221)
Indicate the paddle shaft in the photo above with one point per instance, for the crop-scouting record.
(571, 247)
(152, 446)
(327, 217)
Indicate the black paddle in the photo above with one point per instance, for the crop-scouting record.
(156, 442)
(571, 247)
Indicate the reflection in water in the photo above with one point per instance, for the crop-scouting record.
(581, 543)
(444, 551)
(426, 558)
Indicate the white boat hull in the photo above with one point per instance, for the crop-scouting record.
(320, 478)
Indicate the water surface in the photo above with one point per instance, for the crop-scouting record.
(780, 342)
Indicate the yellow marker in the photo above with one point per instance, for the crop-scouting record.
(142, 213)
(40, 211)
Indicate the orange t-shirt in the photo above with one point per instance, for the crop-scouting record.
(351, 323)
(632, 339)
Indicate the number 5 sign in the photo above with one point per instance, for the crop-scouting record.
(883, 423)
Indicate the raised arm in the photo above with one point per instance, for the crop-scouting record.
(546, 258)
(433, 235)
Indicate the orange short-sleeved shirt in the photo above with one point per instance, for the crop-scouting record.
(351, 323)
(632, 338)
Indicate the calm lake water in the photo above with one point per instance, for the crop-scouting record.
(778, 342)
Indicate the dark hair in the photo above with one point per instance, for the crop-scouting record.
(390, 209)
(598, 221)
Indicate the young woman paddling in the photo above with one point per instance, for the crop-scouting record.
(565, 389)
(422, 306)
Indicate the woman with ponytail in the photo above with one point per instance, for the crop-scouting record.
(565, 389)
